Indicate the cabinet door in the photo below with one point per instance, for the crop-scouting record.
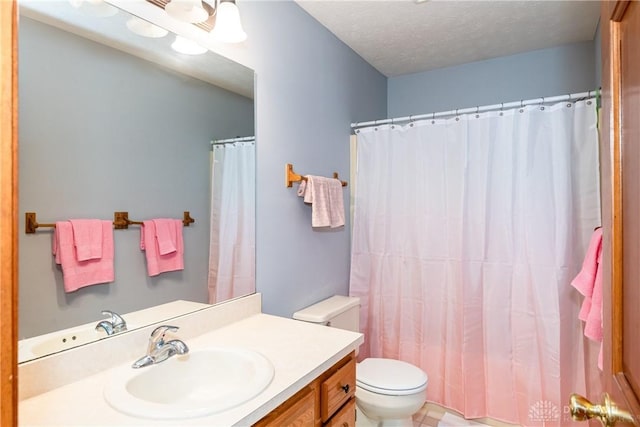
(299, 411)
(337, 389)
(345, 417)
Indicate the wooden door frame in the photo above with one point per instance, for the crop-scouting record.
(616, 383)
(8, 212)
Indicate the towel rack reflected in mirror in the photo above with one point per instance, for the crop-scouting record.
(120, 221)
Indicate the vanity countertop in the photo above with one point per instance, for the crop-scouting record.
(299, 352)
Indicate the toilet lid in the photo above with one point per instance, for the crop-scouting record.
(389, 376)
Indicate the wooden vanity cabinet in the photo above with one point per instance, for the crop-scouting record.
(329, 400)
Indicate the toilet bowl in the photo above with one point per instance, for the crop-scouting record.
(388, 391)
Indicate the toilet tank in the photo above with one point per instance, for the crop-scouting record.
(337, 311)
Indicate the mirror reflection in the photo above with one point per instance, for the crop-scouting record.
(110, 122)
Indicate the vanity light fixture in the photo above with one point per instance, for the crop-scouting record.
(221, 18)
(145, 29)
(94, 7)
(188, 47)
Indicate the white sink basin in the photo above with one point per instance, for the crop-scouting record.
(199, 383)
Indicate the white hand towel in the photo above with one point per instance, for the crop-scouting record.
(326, 199)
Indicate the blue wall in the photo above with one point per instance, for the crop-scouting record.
(310, 87)
(546, 72)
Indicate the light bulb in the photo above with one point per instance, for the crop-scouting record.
(228, 28)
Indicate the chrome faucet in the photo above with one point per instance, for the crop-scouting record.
(114, 325)
(159, 350)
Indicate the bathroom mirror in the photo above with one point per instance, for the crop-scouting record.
(111, 121)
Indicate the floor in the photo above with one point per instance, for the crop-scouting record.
(431, 414)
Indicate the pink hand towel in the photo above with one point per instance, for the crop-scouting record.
(589, 283)
(327, 204)
(78, 274)
(593, 322)
(585, 279)
(165, 235)
(156, 262)
(87, 237)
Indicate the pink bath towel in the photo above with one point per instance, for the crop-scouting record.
(78, 274)
(165, 235)
(156, 262)
(87, 238)
(589, 283)
(327, 204)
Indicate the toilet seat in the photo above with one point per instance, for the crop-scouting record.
(390, 377)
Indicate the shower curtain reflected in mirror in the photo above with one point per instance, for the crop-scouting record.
(467, 234)
(232, 245)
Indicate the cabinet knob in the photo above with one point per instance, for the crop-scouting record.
(346, 388)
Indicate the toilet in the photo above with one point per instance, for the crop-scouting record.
(388, 391)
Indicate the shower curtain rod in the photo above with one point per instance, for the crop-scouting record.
(521, 103)
(231, 140)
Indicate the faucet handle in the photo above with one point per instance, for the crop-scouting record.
(156, 340)
(158, 333)
(115, 317)
(117, 322)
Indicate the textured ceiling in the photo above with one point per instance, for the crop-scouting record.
(402, 37)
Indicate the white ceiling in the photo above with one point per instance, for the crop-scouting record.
(401, 36)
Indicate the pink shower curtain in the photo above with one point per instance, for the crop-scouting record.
(467, 232)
